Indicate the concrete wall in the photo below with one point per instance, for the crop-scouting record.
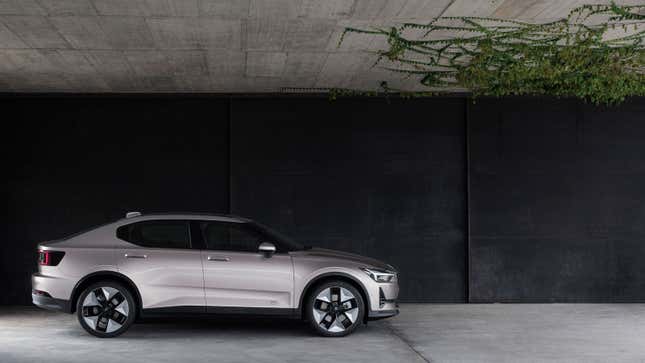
(503, 200)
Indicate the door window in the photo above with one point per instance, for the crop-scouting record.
(231, 237)
(156, 234)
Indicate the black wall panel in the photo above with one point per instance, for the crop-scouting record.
(359, 175)
(557, 201)
(73, 163)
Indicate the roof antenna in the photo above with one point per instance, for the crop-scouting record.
(132, 214)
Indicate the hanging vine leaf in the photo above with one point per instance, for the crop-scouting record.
(583, 55)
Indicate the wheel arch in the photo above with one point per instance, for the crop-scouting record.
(334, 276)
(102, 276)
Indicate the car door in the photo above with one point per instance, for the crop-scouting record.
(162, 264)
(237, 275)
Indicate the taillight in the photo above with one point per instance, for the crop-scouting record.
(49, 258)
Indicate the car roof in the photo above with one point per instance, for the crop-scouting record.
(187, 215)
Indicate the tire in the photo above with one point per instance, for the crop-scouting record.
(106, 309)
(335, 309)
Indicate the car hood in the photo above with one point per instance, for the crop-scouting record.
(367, 261)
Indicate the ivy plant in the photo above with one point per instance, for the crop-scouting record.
(596, 53)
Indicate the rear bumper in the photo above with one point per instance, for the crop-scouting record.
(50, 303)
(51, 293)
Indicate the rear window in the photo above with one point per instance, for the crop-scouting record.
(156, 234)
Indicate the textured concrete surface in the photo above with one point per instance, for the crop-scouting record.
(525, 332)
(422, 333)
(216, 45)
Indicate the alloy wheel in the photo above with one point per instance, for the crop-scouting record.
(335, 309)
(105, 309)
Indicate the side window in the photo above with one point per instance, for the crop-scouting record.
(231, 237)
(156, 234)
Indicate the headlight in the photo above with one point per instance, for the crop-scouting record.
(379, 275)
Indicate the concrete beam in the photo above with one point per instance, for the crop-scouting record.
(227, 45)
(221, 33)
(302, 68)
(147, 7)
(114, 69)
(83, 32)
(36, 31)
(225, 8)
(265, 64)
(8, 39)
(274, 9)
(328, 9)
(68, 7)
(422, 9)
(127, 32)
(338, 66)
(152, 70)
(176, 33)
(21, 7)
(308, 34)
(76, 69)
(265, 34)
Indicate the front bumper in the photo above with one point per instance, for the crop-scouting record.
(382, 314)
(50, 303)
(383, 301)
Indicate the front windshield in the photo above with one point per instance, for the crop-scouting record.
(286, 242)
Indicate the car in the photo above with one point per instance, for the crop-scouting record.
(159, 264)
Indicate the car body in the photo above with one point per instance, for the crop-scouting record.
(195, 263)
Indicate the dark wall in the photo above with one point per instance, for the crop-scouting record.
(557, 201)
(75, 163)
(555, 208)
(358, 175)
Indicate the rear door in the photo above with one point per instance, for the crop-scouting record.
(163, 264)
(237, 275)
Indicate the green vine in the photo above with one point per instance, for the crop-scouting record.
(596, 53)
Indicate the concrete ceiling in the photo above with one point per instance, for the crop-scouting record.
(215, 45)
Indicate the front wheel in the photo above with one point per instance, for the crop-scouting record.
(335, 309)
(106, 309)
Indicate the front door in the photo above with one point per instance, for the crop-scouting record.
(237, 275)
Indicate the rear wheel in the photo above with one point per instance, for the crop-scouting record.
(335, 309)
(106, 309)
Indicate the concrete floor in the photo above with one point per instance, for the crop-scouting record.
(422, 333)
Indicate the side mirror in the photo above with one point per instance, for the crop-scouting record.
(267, 248)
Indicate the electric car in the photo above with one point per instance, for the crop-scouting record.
(158, 264)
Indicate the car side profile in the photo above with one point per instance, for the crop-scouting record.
(158, 264)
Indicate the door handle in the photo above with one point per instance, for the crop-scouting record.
(135, 256)
(218, 258)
